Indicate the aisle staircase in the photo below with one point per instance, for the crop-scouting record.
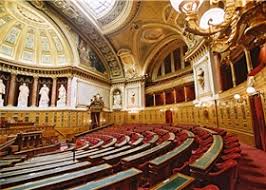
(252, 169)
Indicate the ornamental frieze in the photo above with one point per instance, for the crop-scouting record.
(91, 32)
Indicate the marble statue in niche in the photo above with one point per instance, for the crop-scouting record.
(117, 100)
(61, 102)
(44, 100)
(23, 96)
(200, 77)
(2, 92)
(133, 98)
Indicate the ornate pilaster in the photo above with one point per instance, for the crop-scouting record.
(233, 74)
(164, 98)
(175, 95)
(69, 81)
(53, 98)
(154, 100)
(186, 93)
(34, 91)
(11, 93)
(218, 73)
(248, 59)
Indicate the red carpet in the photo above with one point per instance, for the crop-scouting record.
(252, 169)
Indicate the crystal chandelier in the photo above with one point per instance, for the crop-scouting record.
(217, 20)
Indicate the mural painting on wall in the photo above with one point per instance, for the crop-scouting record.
(89, 57)
(2, 92)
(117, 100)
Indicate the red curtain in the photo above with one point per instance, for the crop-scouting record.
(262, 61)
(258, 122)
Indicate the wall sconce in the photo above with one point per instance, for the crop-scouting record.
(237, 97)
(251, 90)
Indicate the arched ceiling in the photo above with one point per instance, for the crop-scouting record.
(27, 37)
(125, 37)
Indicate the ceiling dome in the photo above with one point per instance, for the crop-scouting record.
(30, 38)
(99, 8)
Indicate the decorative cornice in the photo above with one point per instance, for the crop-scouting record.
(65, 71)
(91, 33)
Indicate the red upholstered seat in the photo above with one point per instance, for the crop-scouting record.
(231, 156)
(232, 150)
(232, 145)
(228, 164)
(208, 187)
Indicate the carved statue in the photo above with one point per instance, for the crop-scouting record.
(44, 100)
(61, 102)
(200, 77)
(23, 96)
(133, 98)
(2, 92)
(117, 103)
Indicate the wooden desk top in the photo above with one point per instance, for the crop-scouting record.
(124, 153)
(190, 134)
(110, 152)
(210, 156)
(176, 182)
(58, 156)
(35, 169)
(164, 158)
(62, 178)
(147, 152)
(31, 176)
(110, 180)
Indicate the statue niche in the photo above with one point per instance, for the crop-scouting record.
(2, 92)
(117, 99)
(200, 78)
(23, 95)
(61, 102)
(44, 99)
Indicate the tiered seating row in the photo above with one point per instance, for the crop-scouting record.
(155, 151)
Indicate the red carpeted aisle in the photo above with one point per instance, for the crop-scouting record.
(252, 169)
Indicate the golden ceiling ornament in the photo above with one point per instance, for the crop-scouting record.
(216, 20)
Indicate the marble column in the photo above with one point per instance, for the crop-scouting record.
(186, 93)
(248, 60)
(174, 95)
(164, 98)
(233, 74)
(53, 98)
(34, 91)
(69, 81)
(182, 60)
(12, 87)
(218, 73)
(154, 100)
(172, 63)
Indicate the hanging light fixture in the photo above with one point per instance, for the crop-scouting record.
(215, 19)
